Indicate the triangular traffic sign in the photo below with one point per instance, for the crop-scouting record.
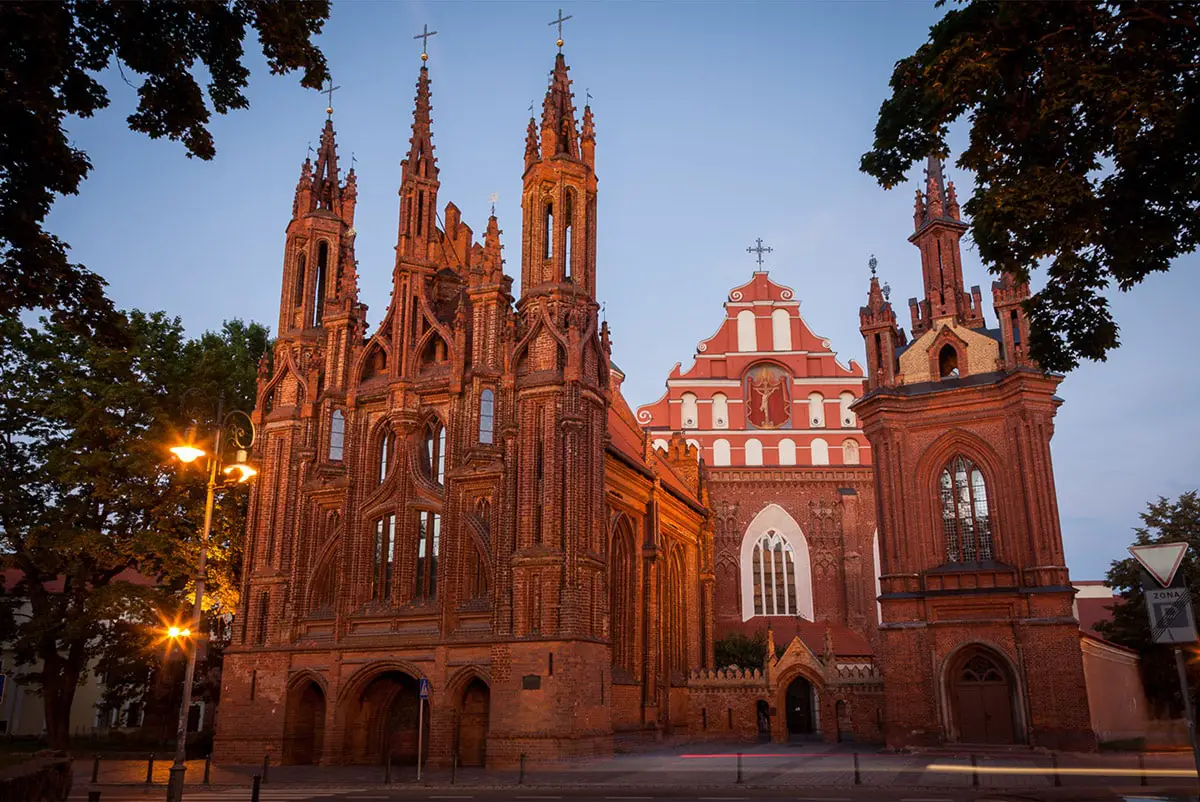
(1160, 559)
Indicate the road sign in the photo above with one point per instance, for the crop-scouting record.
(1160, 559)
(3, 685)
(1171, 619)
(424, 688)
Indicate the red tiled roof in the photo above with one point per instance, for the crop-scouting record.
(629, 440)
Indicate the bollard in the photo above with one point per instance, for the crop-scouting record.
(255, 789)
(266, 767)
(1142, 768)
(1054, 763)
(387, 770)
(739, 768)
(974, 771)
(521, 774)
(207, 769)
(93, 796)
(453, 768)
(96, 768)
(150, 769)
(857, 774)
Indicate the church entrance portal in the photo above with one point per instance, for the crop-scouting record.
(382, 721)
(304, 728)
(473, 724)
(801, 721)
(981, 692)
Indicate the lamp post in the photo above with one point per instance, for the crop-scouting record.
(241, 432)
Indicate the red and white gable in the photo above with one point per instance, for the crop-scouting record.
(763, 390)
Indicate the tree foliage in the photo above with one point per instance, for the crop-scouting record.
(51, 56)
(1164, 521)
(88, 493)
(1084, 140)
(741, 650)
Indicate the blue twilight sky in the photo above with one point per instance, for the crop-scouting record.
(716, 123)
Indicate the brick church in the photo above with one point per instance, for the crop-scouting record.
(459, 504)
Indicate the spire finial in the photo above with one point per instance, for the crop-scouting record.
(559, 22)
(588, 94)
(494, 197)
(310, 150)
(759, 249)
(873, 263)
(424, 37)
(328, 92)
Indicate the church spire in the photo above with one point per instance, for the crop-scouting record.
(419, 177)
(560, 136)
(326, 190)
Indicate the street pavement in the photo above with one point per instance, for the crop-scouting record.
(700, 773)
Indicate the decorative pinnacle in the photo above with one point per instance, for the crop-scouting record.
(873, 263)
(328, 92)
(559, 22)
(760, 250)
(424, 37)
(494, 197)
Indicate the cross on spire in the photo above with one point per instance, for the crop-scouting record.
(559, 22)
(588, 93)
(424, 37)
(494, 197)
(328, 92)
(759, 249)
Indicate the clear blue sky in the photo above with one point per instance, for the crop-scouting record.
(716, 124)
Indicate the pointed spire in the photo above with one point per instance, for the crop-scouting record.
(559, 133)
(326, 188)
(421, 161)
(939, 201)
(532, 153)
(588, 137)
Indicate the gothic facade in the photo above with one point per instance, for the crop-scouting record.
(459, 503)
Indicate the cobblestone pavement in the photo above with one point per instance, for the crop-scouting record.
(784, 768)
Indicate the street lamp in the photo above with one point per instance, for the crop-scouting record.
(240, 430)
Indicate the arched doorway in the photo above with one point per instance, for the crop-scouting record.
(381, 720)
(762, 712)
(801, 718)
(304, 724)
(845, 725)
(473, 724)
(981, 695)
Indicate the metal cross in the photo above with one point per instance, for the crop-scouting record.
(559, 22)
(493, 199)
(328, 92)
(424, 37)
(759, 249)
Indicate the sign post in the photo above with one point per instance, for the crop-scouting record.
(1169, 605)
(420, 724)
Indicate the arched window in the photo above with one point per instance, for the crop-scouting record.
(720, 453)
(774, 567)
(549, 223)
(387, 452)
(623, 596)
(849, 452)
(781, 330)
(429, 535)
(319, 290)
(487, 416)
(383, 560)
(569, 216)
(787, 451)
(677, 615)
(688, 412)
(746, 336)
(845, 399)
(337, 436)
(298, 299)
(966, 523)
(816, 410)
(720, 411)
(433, 452)
(820, 451)
(753, 452)
(661, 444)
(948, 362)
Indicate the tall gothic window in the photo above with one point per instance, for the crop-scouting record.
(569, 218)
(387, 449)
(623, 596)
(487, 416)
(966, 524)
(319, 291)
(337, 436)
(677, 614)
(433, 453)
(298, 300)
(549, 224)
(384, 558)
(429, 534)
(774, 567)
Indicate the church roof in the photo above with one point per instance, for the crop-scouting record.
(846, 642)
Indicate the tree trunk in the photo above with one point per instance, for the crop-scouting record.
(57, 699)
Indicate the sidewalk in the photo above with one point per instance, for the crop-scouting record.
(715, 766)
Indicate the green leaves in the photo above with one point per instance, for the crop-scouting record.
(1084, 140)
(50, 53)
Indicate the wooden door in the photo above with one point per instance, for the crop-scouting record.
(473, 725)
(799, 707)
(983, 702)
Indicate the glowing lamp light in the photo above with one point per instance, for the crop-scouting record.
(243, 468)
(188, 452)
(176, 632)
